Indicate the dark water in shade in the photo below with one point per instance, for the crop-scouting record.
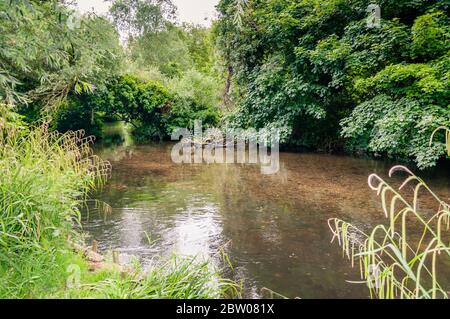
(275, 225)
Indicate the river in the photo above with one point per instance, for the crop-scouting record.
(273, 227)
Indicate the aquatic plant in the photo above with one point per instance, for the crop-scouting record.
(401, 259)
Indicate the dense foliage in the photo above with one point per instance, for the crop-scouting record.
(155, 110)
(168, 80)
(139, 17)
(142, 104)
(196, 98)
(313, 68)
(46, 178)
(79, 111)
(319, 72)
(155, 41)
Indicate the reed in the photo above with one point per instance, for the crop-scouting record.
(166, 278)
(45, 178)
(402, 258)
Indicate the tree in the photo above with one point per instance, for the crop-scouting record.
(138, 17)
(314, 68)
(134, 101)
(44, 56)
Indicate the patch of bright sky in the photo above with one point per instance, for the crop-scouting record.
(193, 11)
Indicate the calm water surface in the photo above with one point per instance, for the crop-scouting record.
(274, 227)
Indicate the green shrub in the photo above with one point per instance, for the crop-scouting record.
(431, 36)
(396, 128)
(155, 110)
(196, 98)
(142, 104)
(307, 66)
(194, 85)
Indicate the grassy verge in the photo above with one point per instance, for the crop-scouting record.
(175, 278)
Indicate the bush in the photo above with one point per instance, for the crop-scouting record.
(142, 104)
(396, 128)
(155, 110)
(307, 66)
(196, 98)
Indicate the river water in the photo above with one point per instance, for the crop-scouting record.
(273, 227)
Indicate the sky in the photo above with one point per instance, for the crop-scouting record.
(193, 11)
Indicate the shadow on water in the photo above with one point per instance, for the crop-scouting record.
(276, 224)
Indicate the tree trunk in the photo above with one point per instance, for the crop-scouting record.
(226, 93)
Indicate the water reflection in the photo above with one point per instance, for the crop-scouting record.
(196, 231)
(276, 224)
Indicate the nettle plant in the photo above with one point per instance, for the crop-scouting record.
(404, 257)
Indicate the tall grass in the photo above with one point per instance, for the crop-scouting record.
(45, 178)
(173, 278)
(403, 258)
